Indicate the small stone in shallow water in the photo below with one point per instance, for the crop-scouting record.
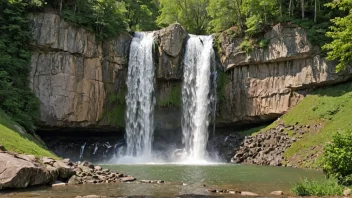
(212, 190)
(127, 179)
(277, 193)
(58, 183)
(245, 193)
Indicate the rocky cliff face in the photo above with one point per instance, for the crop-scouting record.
(80, 81)
(73, 73)
(266, 82)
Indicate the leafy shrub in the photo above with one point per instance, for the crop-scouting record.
(103, 17)
(246, 45)
(337, 157)
(263, 43)
(254, 24)
(16, 98)
(324, 187)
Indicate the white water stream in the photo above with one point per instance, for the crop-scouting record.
(140, 99)
(196, 96)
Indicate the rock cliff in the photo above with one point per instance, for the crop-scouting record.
(73, 73)
(266, 82)
(80, 81)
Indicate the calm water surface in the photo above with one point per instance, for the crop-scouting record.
(182, 180)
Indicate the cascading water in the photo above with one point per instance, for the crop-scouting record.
(140, 97)
(196, 95)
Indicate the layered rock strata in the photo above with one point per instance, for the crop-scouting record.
(73, 72)
(80, 81)
(266, 82)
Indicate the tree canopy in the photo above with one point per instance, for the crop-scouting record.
(192, 14)
(341, 32)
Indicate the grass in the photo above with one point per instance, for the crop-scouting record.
(17, 142)
(328, 108)
(324, 187)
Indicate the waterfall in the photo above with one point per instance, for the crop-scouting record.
(140, 99)
(82, 150)
(196, 94)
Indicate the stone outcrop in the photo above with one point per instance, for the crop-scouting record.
(266, 82)
(73, 72)
(21, 171)
(171, 42)
(80, 81)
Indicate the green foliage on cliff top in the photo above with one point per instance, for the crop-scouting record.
(17, 142)
(16, 98)
(329, 109)
(341, 32)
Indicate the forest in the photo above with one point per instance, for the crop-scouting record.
(328, 23)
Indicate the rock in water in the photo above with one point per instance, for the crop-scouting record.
(19, 173)
(277, 193)
(244, 193)
(127, 179)
(75, 180)
(65, 171)
(58, 183)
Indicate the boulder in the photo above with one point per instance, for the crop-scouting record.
(74, 180)
(172, 39)
(171, 42)
(19, 173)
(65, 171)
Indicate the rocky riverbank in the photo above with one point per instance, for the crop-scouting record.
(21, 171)
(269, 146)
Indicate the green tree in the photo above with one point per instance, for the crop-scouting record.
(192, 14)
(141, 14)
(337, 158)
(340, 48)
(16, 98)
(224, 14)
(103, 17)
(248, 15)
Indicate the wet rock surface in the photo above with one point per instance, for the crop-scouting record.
(268, 147)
